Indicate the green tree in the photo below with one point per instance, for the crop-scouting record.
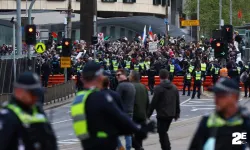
(209, 13)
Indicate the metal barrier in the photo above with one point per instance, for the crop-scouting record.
(55, 92)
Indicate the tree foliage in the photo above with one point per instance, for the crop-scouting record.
(209, 13)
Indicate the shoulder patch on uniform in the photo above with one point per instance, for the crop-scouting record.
(109, 98)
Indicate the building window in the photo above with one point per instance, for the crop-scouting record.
(164, 2)
(129, 1)
(122, 32)
(156, 2)
(130, 35)
(104, 30)
(109, 1)
(112, 31)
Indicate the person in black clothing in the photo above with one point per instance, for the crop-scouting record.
(103, 114)
(166, 101)
(46, 70)
(151, 78)
(114, 94)
(217, 129)
(16, 131)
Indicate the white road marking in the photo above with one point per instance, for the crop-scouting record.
(61, 121)
(69, 112)
(58, 136)
(71, 134)
(185, 101)
(195, 102)
(201, 109)
(198, 105)
(154, 115)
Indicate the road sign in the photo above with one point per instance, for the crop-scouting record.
(37, 34)
(166, 21)
(65, 62)
(40, 48)
(190, 23)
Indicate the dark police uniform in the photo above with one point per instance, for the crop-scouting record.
(25, 127)
(97, 120)
(187, 83)
(197, 83)
(216, 131)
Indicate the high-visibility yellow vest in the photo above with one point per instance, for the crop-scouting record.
(128, 64)
(162, 42)
(246, 66)
(147, 64)
(141, 64)
(171, 68)
(107, 62)
(115, 65)
(78, 113)
(26, 118)
(136, 67)
(79, 68)
(216, 121)
(216, 70)
(239, 69)
(203, 67)
(190, 69)
(59, 47)
(188, 76)
(212, 67)
(197, 75)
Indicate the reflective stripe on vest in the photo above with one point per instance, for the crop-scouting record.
(246, 66)
(115, 67)
(188, 76)
(107, 62)
(216, 70)
(78, 114)
(203, 67)
(191, 68)
(79, 68)
(197, 75)
(147, 64)
(171, 68)
(216, 121)
(26, 118)
(239, 69)
(136, 67)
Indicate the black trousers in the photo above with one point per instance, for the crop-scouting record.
(215, 78)
(151, 85)
(197, 84)
(171, 76)
(137, 140)
(184, 88)
(247, 88)
(45, 80)
(162, 128)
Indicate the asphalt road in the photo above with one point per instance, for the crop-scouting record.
(62, 122)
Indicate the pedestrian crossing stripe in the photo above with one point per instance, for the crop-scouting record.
(68, 141)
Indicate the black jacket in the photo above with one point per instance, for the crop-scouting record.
(223, 135)
(12, 130)
(166, 101)
(116, 97)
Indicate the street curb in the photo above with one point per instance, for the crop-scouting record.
(59, 102)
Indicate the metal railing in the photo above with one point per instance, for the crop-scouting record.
(52, 93)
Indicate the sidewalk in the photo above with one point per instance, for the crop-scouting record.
(180, 134)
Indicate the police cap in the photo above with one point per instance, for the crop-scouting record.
(29, 81)
(226, 85)
(93, 69)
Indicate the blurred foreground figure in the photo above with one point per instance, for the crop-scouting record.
(23, 124)
(97, 120)
(228, 128)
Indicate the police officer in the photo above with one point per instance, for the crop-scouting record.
(216, 130)
(197, 82)
(171, 69)
(215, 72)
(97, 121)
(187, 82)
(23, 124)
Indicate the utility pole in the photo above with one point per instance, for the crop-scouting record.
(69, 22)
(30, 22)
(220, 13)
(19, 32)
(95, 23)
(231, 12)
(198, 18)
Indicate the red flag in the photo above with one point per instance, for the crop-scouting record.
(54, 35)
(239, 14)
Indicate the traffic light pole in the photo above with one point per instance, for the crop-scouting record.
(14, 47)
(94, 24)
(231, 12)
(198, 18)
(19, 27)
(220, 13)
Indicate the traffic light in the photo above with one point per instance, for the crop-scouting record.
(227, 33)
(30, 34)
(66, 47)
(94, 40)
(220, 49)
